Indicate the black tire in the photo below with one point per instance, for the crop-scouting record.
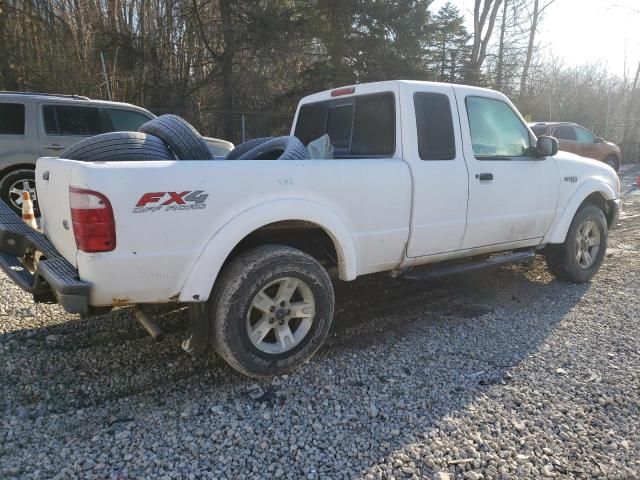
(613, 162)
(231, 306)
(561, 259)
(279, 148)
(184, 140)
(245, 147)
(14, 179)
(118, 146)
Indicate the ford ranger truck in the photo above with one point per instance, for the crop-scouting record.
(438, 176)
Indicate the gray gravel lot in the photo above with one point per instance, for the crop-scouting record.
(497, 374)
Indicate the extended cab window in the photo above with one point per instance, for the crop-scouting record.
(357, 126)
(11, 119)
(126, 120)
(72, 120)
(434, 124)
(496, 130)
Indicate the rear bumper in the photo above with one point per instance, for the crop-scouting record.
(54, 280)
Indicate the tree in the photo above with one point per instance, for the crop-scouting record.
(212, 60)
(484, 18)
(449, 44)
(538, 10)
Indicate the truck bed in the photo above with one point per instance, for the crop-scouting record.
(170, 215)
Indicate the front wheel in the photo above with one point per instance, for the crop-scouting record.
(579, 258)
(272, 308)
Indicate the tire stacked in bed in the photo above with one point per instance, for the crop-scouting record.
(169, 137)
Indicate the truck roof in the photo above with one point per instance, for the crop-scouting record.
(372, 87)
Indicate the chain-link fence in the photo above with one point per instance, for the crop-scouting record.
(630, 152)
(234, 126)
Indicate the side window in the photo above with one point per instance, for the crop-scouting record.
(434, 124)
(496, 130)
(565, 132)
(126, 120)
(72, 120)
(584, 136)
(11, 119)
(357, 126)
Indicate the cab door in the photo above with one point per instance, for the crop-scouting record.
(512, 194)
(432, 147)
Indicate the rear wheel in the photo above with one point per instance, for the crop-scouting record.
(579, 258)
(271, 310)
(14, 183)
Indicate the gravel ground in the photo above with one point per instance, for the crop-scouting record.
(497, 374)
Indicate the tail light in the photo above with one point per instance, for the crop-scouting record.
(92, 218)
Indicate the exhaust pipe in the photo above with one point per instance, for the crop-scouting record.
(148, 324)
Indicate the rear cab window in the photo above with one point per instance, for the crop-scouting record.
(72, 120)
(12, 119)
(359, 126)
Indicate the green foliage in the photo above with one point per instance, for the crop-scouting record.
(212, 60)
(449, 47)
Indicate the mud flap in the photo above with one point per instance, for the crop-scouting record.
(197, 339)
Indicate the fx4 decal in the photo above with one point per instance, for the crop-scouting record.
(171, 201)
(571, 179)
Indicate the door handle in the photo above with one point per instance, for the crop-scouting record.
(55, 147)
(484, 176)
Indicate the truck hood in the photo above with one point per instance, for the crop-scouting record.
(572, 165)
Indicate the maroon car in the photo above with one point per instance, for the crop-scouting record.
(577, 139)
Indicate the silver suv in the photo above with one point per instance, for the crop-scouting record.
(34, 125)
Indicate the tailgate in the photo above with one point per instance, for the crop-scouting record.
(52, 184)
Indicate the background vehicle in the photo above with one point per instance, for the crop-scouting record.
(424, 173)
(577, 139)
(43, 125)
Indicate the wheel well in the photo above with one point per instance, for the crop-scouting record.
(20, 166)
(616, 157)
(599, 201)
(306, 236)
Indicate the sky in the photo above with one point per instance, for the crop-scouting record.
(584, 31)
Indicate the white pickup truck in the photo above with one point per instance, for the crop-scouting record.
(423, 174)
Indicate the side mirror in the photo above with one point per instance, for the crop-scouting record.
(546, 146)
(599, 139)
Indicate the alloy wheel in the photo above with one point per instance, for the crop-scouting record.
(280, 315)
